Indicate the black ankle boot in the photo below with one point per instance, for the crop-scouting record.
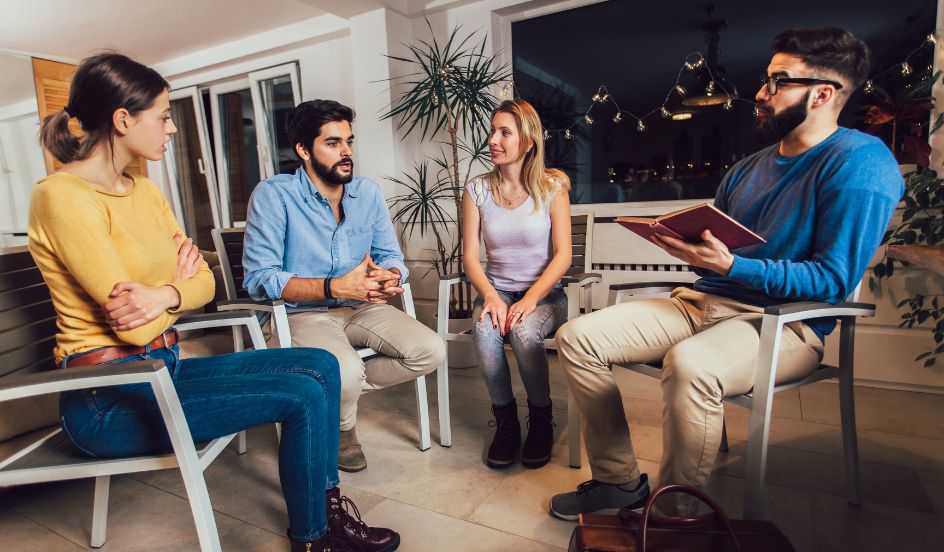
(537, 447)
(507, 440)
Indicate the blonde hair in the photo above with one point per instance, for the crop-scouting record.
(538, 181)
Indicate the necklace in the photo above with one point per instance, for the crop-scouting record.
(509, 201)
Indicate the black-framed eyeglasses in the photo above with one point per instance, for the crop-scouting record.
(773, 83)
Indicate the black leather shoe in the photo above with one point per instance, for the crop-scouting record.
(507, 440)
(349, 534)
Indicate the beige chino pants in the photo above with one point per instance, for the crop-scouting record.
(408, 349)
(708, 346)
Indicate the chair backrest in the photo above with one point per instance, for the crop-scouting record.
(27, 338)
(581, 233)
(229, 246)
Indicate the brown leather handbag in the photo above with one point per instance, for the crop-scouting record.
(633, 532)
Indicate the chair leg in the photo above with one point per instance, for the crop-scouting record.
(573, 429)
(422, 412)
(241, 442)
(100, 510)
(724, 436)
(442, 394)
(850, 443)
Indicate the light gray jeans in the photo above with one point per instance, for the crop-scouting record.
(527, 342)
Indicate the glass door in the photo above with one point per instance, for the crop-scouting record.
(238, 156)
(189, 168)
(275, 91)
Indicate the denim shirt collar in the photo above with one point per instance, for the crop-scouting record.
(310, 192)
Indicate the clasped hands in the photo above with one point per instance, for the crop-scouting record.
(505, 317)
(368, 282)
(133, 304)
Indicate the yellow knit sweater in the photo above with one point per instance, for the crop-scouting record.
(85, 241)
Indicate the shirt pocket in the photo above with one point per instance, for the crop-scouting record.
(359, 239)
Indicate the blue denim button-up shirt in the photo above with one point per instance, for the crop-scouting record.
(291, 232)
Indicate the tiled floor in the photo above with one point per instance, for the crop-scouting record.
(447, 500)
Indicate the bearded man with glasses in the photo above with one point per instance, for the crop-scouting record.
(822, 196)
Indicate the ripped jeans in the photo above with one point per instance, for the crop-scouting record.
(527, 342)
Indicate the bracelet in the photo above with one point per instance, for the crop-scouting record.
(327, 288)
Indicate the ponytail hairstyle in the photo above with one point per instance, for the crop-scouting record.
(103, 84)
(538, 180)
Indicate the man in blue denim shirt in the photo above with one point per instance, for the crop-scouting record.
(322, 240)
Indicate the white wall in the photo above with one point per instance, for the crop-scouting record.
(21, 165)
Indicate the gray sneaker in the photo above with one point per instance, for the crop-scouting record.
(593, 495)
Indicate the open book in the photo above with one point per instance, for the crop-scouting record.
(688, 224)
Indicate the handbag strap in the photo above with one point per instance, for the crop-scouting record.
(684, 489)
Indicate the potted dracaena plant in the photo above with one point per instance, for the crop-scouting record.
(447, 97)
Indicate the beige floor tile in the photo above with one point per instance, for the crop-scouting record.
(140, 517)
(422, 530)
(838, 526)
(520, 504)
(881, 483)
(789, 508)
(18, 532)
(434, 479)
(900, 412)
(933, 482)
(244, 538)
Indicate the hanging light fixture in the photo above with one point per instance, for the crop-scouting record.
(714, 76)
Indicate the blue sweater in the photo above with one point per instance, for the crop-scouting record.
(823, 214)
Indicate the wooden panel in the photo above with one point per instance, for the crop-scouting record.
(28, 335)
(26, 315)
(15, 258)
(11, 361)
(20, 279)
(17, 298)
(53, 80)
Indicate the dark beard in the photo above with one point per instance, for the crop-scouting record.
(331, 174)
(775, 127)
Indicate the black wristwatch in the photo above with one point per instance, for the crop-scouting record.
(327, 288)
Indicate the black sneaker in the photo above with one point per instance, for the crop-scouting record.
(593, 495)
(507, 441)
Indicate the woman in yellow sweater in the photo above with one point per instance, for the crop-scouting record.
(119, 271)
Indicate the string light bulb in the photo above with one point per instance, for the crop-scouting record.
(604, 97)
(931, 38)
(568, 135)
(641, 126)
(756, 111)
(681, 90)
(729, 104)
(618, 118)
(595, 98)
(547, 135)
(665, 112)
(868, 87)
(710, 89)
(905, 69)
(444, 73)
(588, 119)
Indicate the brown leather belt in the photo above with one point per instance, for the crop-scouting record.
(166, 339)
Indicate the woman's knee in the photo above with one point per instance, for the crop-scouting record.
(528, 334)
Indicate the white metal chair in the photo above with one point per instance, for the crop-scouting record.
(27, 369)
(229, 246)
(760, 400)
(578, 287)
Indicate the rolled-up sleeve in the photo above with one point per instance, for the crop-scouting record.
(264, 248)
(385, 249)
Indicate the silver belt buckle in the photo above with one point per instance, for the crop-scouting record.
(164, 338)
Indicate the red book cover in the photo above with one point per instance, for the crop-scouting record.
(689, 223)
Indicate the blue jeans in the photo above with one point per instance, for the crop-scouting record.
(221, 395)
(527, 342)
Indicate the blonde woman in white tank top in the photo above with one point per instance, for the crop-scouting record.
(522, 213)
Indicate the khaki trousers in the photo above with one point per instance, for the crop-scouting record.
(408, 349)
(708, 346)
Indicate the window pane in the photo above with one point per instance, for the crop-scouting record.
(238, 128)
(191, 182)
(278, 100)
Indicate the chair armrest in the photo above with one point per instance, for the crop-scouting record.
(98, 375)
(649, 287)
(792, 312)
(249, 304)
(582, 279)
(450, 279)
(215, 320)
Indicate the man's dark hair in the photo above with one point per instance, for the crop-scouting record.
(303, 123)
(832, 49)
